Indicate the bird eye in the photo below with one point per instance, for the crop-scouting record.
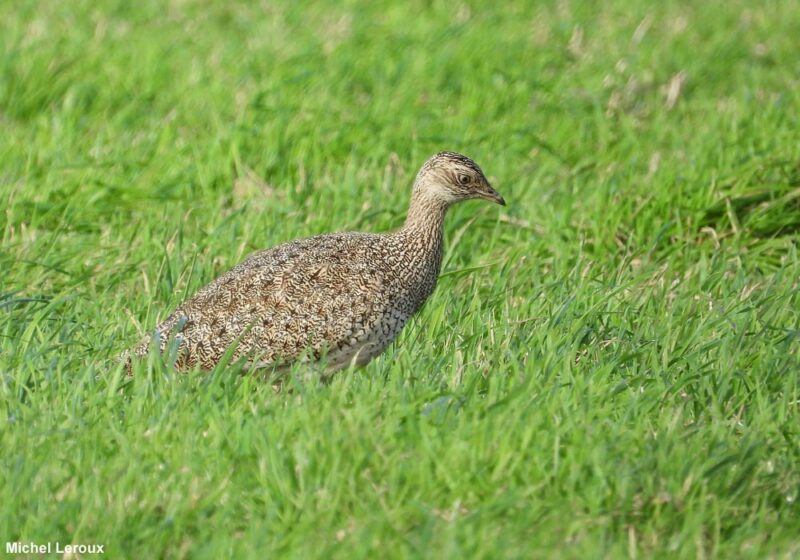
(463, 179)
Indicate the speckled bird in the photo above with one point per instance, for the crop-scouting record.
(341, 298)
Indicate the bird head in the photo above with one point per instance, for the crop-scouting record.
(450, 177)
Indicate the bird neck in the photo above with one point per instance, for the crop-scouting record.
(425, 215)
(422, 238)
(420, 248)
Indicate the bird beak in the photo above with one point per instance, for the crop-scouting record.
(493, 196)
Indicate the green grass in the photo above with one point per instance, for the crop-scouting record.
(609, 367)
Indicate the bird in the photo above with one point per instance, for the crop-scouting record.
(337, 299)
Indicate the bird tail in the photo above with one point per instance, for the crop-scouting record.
(126, 357)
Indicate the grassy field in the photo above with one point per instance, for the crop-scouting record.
(610, 366)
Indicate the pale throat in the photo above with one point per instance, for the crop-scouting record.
(426, 212)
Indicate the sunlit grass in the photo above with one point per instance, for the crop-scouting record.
(609, 366)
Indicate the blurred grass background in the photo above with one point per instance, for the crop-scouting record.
(609, 367)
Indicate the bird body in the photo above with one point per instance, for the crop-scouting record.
(341, 297)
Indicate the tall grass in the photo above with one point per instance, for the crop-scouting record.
(608, 368)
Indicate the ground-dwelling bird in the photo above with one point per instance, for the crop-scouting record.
(339, 298)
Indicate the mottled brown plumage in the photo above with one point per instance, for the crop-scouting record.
(343, 297)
